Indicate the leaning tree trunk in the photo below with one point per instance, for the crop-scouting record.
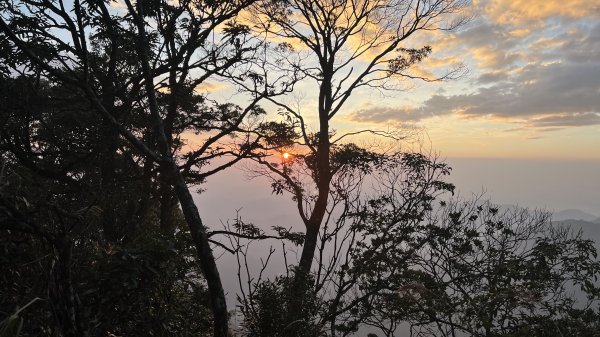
(190, 211)
(207, 260)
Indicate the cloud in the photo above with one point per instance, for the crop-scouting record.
(518, 12)
(211, 87)
(493, 77)
(509, 33)
(567, 120)
(380, 114)
(581, 46)
(487, 34)
(541, 96)
(553, 88)
(546, 77)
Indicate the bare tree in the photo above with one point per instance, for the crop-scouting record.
(342, 46)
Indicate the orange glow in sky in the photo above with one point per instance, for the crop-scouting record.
(530, 90)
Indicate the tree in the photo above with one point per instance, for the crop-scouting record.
(505, 272)
(98, 105)
(402, 254)
(54, 241)
(377, 224)
(342, 46)
(40, 201)
(88, 286)
(143, 64)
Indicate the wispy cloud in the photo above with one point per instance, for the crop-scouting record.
(519, 12)
(211, 87)
(534, 63)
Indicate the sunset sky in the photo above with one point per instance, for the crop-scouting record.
(527, 112)
(532, 88)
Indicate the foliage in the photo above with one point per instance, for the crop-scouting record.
(154, 284)
(337, 47)
(271, 310)
(130, 82)
(98, 221)
(11, 326)
(501, 273)
(94, 252)
(399, 253)
(149, 286)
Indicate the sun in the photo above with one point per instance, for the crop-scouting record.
(286, 155)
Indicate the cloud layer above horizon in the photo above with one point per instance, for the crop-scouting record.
(534, 66)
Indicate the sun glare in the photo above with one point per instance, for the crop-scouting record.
(286, 155)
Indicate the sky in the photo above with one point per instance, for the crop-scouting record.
(527, 111)
(532, 89)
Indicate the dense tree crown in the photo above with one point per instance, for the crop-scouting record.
(109, 125)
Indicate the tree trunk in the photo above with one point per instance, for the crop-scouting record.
(322, 176)
(207, 260)
(190, 211)
(312, 233)
(167, 205)
(61, 293)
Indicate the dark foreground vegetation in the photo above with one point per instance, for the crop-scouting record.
(108, 127)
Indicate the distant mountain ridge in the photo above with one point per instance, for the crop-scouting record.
(589, 230)
(576, 219)
(567, 214)
(575, 214)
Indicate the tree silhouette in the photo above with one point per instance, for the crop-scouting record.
(144, 63)
(341, 47)
(508, 272)
(98, 106)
